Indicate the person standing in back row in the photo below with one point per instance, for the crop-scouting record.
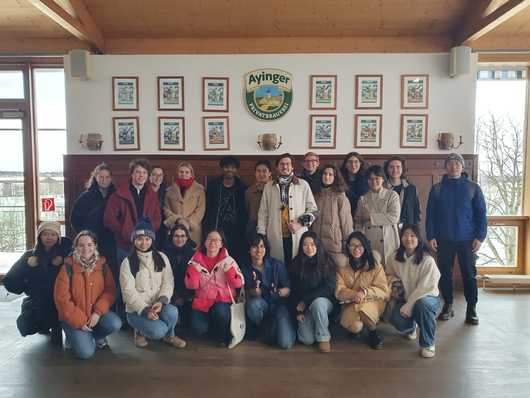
(457, 225)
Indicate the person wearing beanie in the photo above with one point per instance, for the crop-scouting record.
(456, 225)
(146, 282)
(185, 200)
(84, 292)
(225, 207)
(179, 249)
(34, 275)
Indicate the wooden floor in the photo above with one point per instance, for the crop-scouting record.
(491, 360)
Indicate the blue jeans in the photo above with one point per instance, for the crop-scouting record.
(282, 329)
(158, 328)
(216, 321)
(84, 343)
(424, 314)
(315, 326)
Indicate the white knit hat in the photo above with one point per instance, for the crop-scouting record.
(53, 226)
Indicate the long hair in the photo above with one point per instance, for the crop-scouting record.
(367, 258)
(202, 249)
(420, 251)
(344, 171)
(134, 261)
(188, 165)
(338, 184)
(304, 266)
(98, 169)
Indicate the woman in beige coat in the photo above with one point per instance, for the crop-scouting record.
(362, 289)
(185, 199)
(377, 214)
(334, 222)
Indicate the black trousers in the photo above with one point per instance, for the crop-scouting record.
(467, 260)
(288, 252)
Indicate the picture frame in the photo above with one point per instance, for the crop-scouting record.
(414, 131)
(368, 91)
(323, 92)
(125, 93)
(368, 131)
(322, 131)
(216, 133)
(171, 134)
(215, 94)
(414, 91)
(170, 93)
(126, 133)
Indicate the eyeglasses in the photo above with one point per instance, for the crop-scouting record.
(214, 240)
(355, 247)
(311, 160)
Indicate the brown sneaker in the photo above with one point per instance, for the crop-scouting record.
(139, 340)
(324, 346)
(175, 341)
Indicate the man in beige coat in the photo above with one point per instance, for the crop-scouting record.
(286, 211)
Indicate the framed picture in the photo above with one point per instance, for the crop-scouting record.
(171, 134)
(125, 93)
(216, 133)
(368, 91)
(170, 93)
(414, 130)
(414, 91)
(323, 92)
(215, 94)
(322, 131)
(368, 131)
(126, 133)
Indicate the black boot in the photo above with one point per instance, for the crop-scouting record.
(471, 315)
(374, 340)
(57, 336)
(447, 312)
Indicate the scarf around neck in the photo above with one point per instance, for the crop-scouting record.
(88, 265)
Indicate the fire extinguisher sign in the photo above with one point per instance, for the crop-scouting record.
(48, 204)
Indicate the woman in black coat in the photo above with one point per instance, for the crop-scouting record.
(353, 171)
(34, 274)
(395, 169)
(88, 210)
(179, 249)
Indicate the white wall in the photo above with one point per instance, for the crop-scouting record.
(89, 103)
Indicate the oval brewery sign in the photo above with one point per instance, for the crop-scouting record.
(268, 93)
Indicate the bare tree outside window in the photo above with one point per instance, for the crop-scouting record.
(499, 143)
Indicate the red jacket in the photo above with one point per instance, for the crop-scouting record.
(215, 285)
(79, 295)
(120, 214)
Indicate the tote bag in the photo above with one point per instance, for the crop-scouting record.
(237, 318)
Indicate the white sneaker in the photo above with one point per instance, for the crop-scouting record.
(412, 335)
(102, 343)
(428, 352)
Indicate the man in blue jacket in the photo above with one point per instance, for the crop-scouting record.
(457, 224)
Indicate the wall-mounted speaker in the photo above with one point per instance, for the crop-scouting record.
(79, 67)
(460, 61)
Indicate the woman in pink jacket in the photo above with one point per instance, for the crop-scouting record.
(214, 276)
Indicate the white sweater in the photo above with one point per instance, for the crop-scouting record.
(419, 280)
(148, 286)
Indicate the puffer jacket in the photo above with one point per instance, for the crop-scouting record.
(79, 294)
(215, 285)
(148, 286)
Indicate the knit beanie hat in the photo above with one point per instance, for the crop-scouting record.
(143, 228)
(455, 156)
(53, 226)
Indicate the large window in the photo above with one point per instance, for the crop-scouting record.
(51, 141)
(499, 142)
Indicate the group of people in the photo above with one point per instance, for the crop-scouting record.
(331, 243)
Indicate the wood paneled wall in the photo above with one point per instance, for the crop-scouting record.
(423, 170)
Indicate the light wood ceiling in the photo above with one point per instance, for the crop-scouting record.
(140, 26)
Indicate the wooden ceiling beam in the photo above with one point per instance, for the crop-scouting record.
(485, 16)
(83, 27)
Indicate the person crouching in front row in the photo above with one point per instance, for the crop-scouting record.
(146, 281)
(84, 292)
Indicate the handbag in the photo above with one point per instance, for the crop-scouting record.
(237, 318)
